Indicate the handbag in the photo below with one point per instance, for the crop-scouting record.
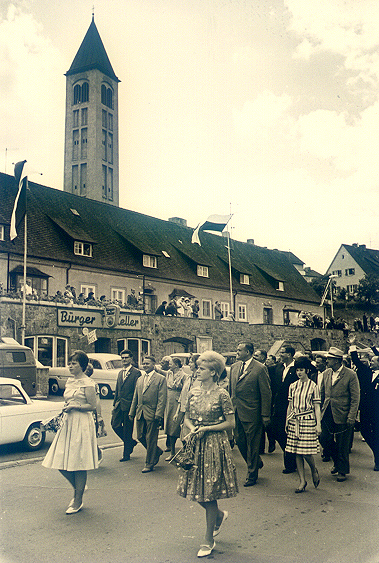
(53, 423)
(185, 457)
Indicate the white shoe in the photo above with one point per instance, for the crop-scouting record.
(206, 550)
(71, 510)
(217, 529)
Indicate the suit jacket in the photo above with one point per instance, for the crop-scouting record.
(124, 391)
(151, 402)
(123, 395)
(250, 394)
(281, 388)
(343, 396)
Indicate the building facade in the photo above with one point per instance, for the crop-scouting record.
(351, 264)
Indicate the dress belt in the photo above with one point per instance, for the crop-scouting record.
(296, 416)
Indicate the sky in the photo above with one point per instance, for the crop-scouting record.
(265, 109)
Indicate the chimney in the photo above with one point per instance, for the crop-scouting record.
(250, 241)
(355, 244)
(363, 246)
(178, 221)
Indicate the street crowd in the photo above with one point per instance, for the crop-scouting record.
(300, 401)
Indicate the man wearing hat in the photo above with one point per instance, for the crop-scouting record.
(340, 401)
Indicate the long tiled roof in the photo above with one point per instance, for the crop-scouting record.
(92, 55)
(120, 237)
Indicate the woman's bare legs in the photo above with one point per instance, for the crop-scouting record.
(80, 483)
(300, 469)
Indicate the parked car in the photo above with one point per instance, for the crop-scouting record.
(21, 416)
(18, 362)
(105, 371)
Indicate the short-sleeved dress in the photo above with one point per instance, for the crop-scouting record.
(74, 447)
(301, 424)
(213, 475)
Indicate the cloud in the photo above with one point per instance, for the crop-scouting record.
(344, 27)
(29, 101)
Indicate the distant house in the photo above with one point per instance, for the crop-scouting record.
(306, 271)
(351, 264)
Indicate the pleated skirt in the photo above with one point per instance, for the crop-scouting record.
(74, 447)
(214, 474)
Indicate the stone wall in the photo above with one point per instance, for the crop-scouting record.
(41, 319)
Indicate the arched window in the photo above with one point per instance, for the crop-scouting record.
(85, 92)
(109, 98)
(103, 95)
(77, 92)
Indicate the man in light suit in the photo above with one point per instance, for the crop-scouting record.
(249, 387)
(148, 406)
(339, 406)
(123, 396)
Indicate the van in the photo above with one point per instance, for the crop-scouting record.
(18, 362)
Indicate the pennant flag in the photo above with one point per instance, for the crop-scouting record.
(213, 223)
(19, 208)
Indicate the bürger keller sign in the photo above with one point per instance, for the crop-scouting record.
(109, 317)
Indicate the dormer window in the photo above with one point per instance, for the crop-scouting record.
(150, 261)
(244, 279)
(2, 232)
(202, 271)
(83, 248)
(280, 286)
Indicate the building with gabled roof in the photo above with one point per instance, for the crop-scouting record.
(351, 263)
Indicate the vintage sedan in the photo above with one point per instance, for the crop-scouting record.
(21, 416)
(105, 371)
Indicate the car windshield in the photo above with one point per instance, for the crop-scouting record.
(114, 364)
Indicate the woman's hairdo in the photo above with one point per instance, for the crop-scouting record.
(80, 357)
(214, 360)
(177, 362)
(303, 362)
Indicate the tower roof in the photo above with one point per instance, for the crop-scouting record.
(92, 54)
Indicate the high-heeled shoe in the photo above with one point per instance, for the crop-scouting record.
(316, 478)
(301, 489)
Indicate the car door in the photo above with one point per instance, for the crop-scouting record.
(15, 413)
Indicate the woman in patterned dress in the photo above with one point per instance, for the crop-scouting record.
(209, 414)
(74, 449)
(304, 422)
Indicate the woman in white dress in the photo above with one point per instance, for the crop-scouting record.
(74, 449)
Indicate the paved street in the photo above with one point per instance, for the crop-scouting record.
(131, 517)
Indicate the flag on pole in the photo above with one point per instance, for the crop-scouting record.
(19, 207)
(213, 223)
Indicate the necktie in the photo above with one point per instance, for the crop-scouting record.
(242, 370)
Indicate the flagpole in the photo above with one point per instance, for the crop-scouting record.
(230, 277)
(23, 326)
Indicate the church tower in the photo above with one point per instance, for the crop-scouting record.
(91, 167)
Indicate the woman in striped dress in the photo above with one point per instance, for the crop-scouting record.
(303, 422)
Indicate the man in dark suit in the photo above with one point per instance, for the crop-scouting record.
(123, 396)
(281, 379)
(339, 406)
(368, 375)
(250, 392)
(148, 406)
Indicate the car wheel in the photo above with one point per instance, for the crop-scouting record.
(34, 437)
(105, 391)
(53, 387)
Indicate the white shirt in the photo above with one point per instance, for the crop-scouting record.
(147, 377)
(247, 363)
(286, 369)
(125, 372)
(335, 375)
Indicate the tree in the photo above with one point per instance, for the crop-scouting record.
(319, 285)
(368, 289)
